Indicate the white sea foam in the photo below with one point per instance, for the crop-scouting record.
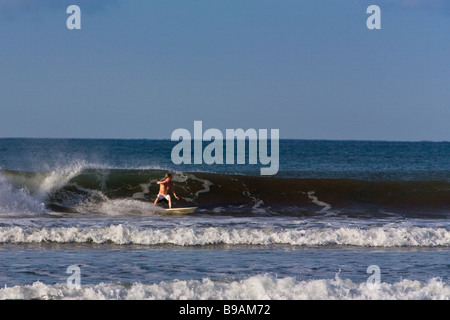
(22, 194)
(195, 236)
(325, 206)
(40, 184)
(258, 287)
(17, 202)
(116, 207)
(56, 179)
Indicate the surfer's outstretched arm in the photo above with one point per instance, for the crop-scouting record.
(174, 194)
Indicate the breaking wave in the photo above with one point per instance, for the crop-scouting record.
(80, 189)
(258, 287)
(191, 236)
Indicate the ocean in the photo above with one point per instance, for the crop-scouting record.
(341, 220)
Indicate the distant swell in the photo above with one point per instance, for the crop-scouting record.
(92, 190)
(187, 236)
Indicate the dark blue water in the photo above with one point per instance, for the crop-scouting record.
(298, 158)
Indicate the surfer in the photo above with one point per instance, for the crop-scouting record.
(166, 186)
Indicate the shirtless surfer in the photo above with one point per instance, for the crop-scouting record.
(166, 186)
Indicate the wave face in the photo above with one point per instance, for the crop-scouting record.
(260, 287)
(132, 191)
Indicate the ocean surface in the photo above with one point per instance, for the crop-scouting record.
(340, 220)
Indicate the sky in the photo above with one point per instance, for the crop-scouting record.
(139, 69)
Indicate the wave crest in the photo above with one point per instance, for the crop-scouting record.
(186, 236)
(259, 287)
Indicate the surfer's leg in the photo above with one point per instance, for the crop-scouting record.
(158, 197)
(169, 200)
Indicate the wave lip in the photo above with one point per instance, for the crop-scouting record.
(186, 236)
(258, 287)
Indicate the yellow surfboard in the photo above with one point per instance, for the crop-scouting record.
(180, 210)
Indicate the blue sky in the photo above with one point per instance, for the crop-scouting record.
(142, 68)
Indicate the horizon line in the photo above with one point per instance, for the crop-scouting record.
(166, 139)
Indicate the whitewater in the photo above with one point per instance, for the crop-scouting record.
(262, 287)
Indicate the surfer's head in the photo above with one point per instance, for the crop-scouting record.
(168, 175)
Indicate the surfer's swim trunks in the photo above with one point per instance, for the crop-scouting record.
(162, 196)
